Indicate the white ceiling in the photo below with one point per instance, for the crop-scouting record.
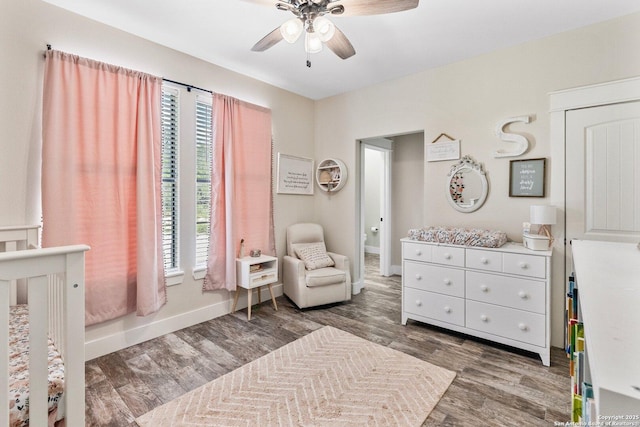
(436, 33)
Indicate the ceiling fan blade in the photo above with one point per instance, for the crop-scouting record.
(340, 45)
(269, 3)
(268, 41)
(378, 7)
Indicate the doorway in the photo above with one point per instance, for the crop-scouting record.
(376, 200)
(401, 205)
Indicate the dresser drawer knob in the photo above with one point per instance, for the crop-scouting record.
(418, 276)
(484, 318)
(447, 282)
(523, 265)
(418, 252)
(484, 288)
(523, 327)
(419, 303)
(484, 260)
(523, 295)
(447, 255)
(447, 309)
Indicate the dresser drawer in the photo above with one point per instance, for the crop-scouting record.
(484, 260)
(449, 281)
(434, 306)
(522, 294)
(448, 255)
(509, 323)
(416, 251)
(525, 265)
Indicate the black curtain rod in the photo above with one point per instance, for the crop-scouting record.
(189, 87)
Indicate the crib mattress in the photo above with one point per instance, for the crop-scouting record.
(19, 369)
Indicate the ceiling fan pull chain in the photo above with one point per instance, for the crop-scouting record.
(308, 60)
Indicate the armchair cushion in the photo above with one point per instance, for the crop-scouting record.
(314, 255)
(325, 276)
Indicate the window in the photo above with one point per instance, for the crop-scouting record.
(203, 178)
(187, 143)
(170, 175)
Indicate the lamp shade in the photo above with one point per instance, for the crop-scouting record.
(312, 43)
(324, 28)
(541, 214)
(291, 30)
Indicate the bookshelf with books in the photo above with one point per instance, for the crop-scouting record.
(602, 327)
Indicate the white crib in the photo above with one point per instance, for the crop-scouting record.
(54, 282)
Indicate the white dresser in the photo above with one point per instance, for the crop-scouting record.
(499, 294)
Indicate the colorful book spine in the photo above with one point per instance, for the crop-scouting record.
(569, 314)
(576, 408)
(581, 403)
(588, 405)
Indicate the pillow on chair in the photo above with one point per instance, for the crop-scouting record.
(314, 255)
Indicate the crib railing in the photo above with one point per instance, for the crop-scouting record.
(17, 238)
(55, 291)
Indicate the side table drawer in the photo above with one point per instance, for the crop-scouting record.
(525, 265)
(434, 306)
(523, 294)
(484, 260)
(263, 277)
(449, 281)
(416, 251)
(506, 322)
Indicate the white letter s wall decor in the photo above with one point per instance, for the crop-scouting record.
(521, 142)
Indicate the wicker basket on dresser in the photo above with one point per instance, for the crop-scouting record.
(498, 294)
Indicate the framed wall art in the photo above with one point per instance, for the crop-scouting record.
(527, 178)
(443, 150)
(295, 175)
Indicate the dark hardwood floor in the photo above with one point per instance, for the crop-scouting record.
(494, 386)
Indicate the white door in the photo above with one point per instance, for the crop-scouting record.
(603, 173)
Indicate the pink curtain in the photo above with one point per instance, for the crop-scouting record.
(241, 202)
(101, 180)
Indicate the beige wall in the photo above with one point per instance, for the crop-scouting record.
(407, 181)
(26, 26)
(466, 100)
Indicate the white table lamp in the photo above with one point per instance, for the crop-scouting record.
(543, 216)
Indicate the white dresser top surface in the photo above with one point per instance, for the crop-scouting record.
(608, 279)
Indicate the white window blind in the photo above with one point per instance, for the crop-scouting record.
(170, 174)
(203, 178)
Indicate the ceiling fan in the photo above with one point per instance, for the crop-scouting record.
(310, 19)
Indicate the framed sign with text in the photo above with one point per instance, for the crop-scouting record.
(295, 175)
(526, 178)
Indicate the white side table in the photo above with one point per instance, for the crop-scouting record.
(255, 272)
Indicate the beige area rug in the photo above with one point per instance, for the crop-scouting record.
(326, 378)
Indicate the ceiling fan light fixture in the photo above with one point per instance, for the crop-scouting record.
(291, 30)
(324, 28)
(312, 43)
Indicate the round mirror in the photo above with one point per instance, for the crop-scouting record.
(467, 185)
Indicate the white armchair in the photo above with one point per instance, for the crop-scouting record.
(311, 276)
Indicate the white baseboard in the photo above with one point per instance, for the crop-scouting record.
(356, 287)
(372, 249)
(105, 345)
(396, 269)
